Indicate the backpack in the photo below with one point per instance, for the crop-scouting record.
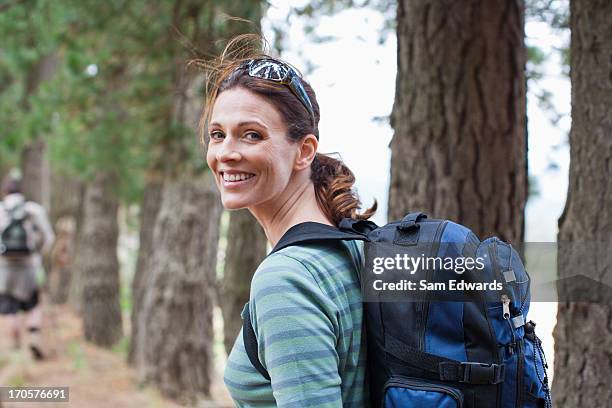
(435, 347)
(14, 237)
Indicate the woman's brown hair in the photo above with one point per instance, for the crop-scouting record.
(332, 179)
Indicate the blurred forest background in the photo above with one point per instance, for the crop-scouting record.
(99, 112)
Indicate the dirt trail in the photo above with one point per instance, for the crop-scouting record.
(96, 377)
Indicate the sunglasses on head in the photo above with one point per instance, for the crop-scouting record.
(273, 70)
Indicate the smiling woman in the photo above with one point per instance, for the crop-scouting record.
(260, 128)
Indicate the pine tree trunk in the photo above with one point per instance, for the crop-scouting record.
(34, 163)
(36, 173)
(149, 209)
(98, 264)
(75, 291)
(583, 334)
(246, 241)
(177, 305)
(246, 248)
(459, 148)
(67, 195)
(181, 365)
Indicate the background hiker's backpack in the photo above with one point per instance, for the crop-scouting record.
(14, 237)
(478, 350)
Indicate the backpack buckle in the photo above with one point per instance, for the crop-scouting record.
(480, 373)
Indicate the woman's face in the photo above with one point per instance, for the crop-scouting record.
(248, 150)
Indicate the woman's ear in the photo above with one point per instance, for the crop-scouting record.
(307, 151)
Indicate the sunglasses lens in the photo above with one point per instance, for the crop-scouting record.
(267, 69)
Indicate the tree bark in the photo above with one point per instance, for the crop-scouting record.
(34, 163)
(246, 248)
(151, 202)
(98, 264)
(583, 334)
(246, 241)
(67, 195)
(36, 173)
(75, 291)
(177, 305)
(459, 148)
(181, 365)
(176, 291)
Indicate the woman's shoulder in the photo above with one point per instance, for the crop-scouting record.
(316, 255)
(283, 268)
(309, 264)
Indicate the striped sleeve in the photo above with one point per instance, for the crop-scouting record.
(297, 327)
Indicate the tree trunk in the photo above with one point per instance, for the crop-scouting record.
(98, 264)
(246, 248)
(181, 365)
(34, 163)
(75, 291)
(67, 194)
(246, 241)
(459, 148)
(151, 202)
(177, 305)
(36, 174)
(583, 334)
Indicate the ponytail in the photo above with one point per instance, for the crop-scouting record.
(333, 182)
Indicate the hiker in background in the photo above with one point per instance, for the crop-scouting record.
(58, 279)
(25, 234)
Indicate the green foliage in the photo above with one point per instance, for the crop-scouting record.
(111, 104)
(312, 12)
(75, 351)
(553, 12)
(122, 346)
(534, 187)
(29, 31)
(16, 380)
(535, 60)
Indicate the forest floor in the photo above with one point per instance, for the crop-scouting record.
(96, 377)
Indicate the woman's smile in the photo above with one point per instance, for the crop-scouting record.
(235, 179)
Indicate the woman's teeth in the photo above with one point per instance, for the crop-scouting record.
(236, 177)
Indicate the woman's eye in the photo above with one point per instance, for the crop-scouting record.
(216, 135)
(253, 136)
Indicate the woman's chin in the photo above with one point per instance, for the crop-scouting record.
(233, 204)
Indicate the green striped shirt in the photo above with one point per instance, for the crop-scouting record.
(307, 315)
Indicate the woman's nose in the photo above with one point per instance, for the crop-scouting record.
(228, 151)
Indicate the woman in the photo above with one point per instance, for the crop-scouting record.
(305, 301)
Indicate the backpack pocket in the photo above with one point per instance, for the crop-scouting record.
(405, 392)
(536, 391)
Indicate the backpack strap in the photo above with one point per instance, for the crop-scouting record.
(315, 232)
(250, 342)
(445, 368)
(305, 232)
(20, 207)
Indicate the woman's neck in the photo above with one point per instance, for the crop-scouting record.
(294, 207)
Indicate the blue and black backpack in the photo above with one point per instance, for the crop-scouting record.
(468, 347)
